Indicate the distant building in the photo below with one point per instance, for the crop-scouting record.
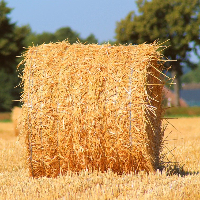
(170, 98)
(191, 93)
(190, 86)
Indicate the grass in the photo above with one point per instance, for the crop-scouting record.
(183, 112)
(5, 120)
(179, 179)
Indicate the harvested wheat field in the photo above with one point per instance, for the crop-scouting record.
(181, 180)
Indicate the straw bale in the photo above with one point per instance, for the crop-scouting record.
(94, 107)
(16, 117)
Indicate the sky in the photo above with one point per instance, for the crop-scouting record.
(83, 16)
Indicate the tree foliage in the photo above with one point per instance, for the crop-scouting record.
(11, 45)
(64, 33)
(11, 39)
(176, 20)
(38, 39)
(192, 76)
(90, 39)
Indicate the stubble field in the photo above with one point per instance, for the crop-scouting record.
(180, 178)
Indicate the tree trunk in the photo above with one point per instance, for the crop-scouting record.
(176, 87)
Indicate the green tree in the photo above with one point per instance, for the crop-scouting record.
(192, 76)
(11, 45)
(38, 39)
(176, 20)
(65, 33)
(90, 39)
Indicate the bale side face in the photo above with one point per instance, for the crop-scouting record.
(92, 106)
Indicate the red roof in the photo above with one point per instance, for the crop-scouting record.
(170, 96)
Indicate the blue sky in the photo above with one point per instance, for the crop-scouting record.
(83, 16)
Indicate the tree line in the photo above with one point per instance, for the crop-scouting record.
(174, 21)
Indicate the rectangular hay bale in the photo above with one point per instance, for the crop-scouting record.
(94, 107)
